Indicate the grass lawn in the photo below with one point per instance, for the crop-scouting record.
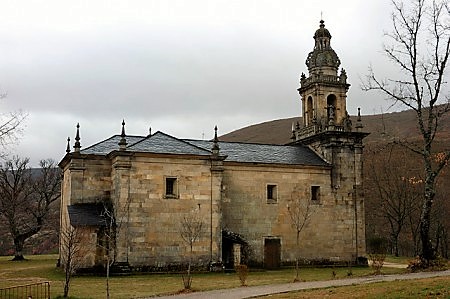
(438, 287)
(399, 259)
(42, 268)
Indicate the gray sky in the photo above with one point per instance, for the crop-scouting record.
(180, 67)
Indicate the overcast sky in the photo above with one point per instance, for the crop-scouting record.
(180, 67)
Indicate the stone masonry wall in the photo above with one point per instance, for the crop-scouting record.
(330, 233)
(84, 181)
(154, 219)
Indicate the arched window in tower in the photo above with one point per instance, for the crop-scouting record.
(331, 109)
(309, 111)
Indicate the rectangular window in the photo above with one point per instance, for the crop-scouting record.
(315, 193)
(272, 194)
(171, 188)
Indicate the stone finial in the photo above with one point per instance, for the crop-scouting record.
(215, 147)
(359, 124)
(293, 132)
(77, 145)
(343, 76)
(68, 145)
(302, 78)
(123, 141)
(347, 122)
(149, 131)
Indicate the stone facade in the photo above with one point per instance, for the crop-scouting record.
(241, 192)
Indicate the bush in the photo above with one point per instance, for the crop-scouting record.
(242, 271)
(377, 261)
(377, 253)
(419, 264)
(187, 281)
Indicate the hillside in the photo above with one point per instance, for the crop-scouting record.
(382, 128)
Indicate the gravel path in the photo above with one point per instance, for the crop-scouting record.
(254, 291)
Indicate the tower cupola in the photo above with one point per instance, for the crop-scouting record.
(323, 58)
(323, 92)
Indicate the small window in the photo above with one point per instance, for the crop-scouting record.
(315, 193)
(171, 188)
(272, 195)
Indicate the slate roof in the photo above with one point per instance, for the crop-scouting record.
(265, 153)
(106, 146)
(165, 144)
(86, 214)
(162, 143)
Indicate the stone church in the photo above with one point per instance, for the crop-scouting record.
(138, 191)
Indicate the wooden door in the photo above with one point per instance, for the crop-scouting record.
(272, 253)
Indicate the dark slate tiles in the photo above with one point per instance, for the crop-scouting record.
(87, 214)
(235, 151)
(165, 144)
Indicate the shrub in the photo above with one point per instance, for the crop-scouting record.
(377, 253)
(187, 281)
(242, 271)
(419, 264)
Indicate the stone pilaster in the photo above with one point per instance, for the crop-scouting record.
(216, 208)
(121, 203)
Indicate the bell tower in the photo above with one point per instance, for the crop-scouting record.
(323, 92)
(328, 130)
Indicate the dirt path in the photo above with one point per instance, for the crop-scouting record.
(248, 292)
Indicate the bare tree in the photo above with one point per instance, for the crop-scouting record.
(109, 233)
(10, 124)
(113, 217)
(25, 198)
(191, 229)
(419, 45)
(73, 252)
(395, 189)
(300, 212)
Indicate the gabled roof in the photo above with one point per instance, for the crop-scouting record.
(108, 145)
(161, 143)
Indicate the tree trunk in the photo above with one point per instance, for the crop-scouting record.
(394, 240)
(66, 288)
(296, 259)
(107, 276)
(18, 249)
(425, 220)
(395, 243)
(19, 239)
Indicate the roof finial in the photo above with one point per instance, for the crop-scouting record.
(123, 141)
(293, 131)
(68, 145)
(123, 128)
(322, 23)
(215, 147)
(359, 124)
(77, 145)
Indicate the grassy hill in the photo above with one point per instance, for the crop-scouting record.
(382, 128)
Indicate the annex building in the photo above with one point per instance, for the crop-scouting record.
(131, 195)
